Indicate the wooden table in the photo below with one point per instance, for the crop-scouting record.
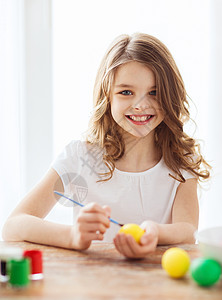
(102, 273)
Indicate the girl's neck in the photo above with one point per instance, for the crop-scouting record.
(140, 154)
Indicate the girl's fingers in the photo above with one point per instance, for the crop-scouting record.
(123, 245)
(107, 210)
(91, 224)
(95, 213)
(94, 207)
(93, 227)
(89, 217)
(137, 249)
(119, 244)
(128, 251)
(126, 245)
(152, 231)
(93, 236)
(146, 239)
(115, 240)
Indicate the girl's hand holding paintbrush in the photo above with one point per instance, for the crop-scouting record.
(91, 224)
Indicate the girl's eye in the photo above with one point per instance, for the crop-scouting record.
(126, 93)
(153, 93)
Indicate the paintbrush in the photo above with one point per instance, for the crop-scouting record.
(80, 204)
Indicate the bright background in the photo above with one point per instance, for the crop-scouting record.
(50, 51)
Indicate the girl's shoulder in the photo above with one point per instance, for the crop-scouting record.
(81, 147)
(164, 169)
(72, 150)
(83, 150)
(77, 155)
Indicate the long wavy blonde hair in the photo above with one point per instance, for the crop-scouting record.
(179, 151)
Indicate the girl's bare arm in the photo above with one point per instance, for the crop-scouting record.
(185, 216)
(26, 223)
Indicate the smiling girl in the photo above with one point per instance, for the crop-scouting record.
(136, 164)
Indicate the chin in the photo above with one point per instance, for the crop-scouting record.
(138, 134)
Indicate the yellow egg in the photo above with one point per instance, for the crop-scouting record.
(133, 229)
(175, 262)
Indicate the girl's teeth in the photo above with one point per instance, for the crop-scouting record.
(140, 119)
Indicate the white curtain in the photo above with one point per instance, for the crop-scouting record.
(9, 106)
(26, 98)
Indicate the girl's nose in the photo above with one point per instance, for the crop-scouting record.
(141, 103)
(140, 108)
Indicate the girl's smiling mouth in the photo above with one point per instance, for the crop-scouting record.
(139, 119)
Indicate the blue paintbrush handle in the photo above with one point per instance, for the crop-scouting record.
(80, 204)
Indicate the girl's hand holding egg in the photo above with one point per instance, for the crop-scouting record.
(133, 229)
(135, 241)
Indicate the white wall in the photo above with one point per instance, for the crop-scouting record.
(190, 29)
(47, 71)
(83, 30)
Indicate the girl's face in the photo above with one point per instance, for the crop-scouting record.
(134, 104)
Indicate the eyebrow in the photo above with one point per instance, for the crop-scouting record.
(124, 85)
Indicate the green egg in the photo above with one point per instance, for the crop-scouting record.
(205, 271)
